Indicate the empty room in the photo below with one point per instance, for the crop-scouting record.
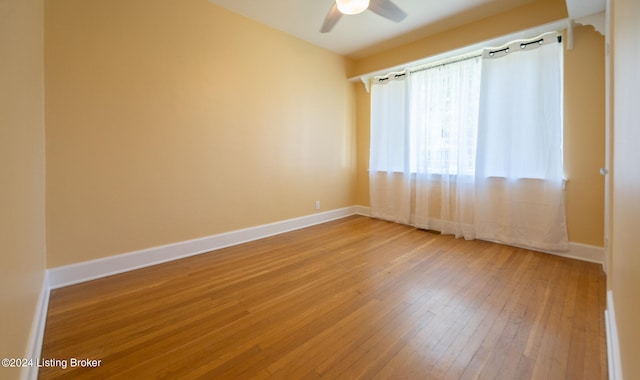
(336, 189)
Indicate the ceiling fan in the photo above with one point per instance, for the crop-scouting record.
(384, 8)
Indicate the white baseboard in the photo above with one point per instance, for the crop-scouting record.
(613, 347)
(90, 270)
(583, 252)
(578, 251)
(36, 337)
(94, 269)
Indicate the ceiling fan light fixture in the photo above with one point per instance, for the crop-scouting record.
(352, 7)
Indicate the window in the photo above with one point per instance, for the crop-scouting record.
(451, 145)
(426, 120)
(444, 117)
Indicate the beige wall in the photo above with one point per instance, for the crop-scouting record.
(22, 233)
(584, 127)
(584, 136)
(173, 120)
(624, 276)
(363, 112)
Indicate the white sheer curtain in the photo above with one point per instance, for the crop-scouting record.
(444, 113)
(423, 138)
(473, 148)
(519, 174)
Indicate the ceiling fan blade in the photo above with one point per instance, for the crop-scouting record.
(331, 20)
(387, 9)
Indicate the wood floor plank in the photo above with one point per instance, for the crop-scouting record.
(355, 298)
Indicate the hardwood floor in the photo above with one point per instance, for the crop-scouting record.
(350, 299)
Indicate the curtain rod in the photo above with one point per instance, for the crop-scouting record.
(475, 55)
(523, 45)
(556, 26)
(398, 75)
(447, 62)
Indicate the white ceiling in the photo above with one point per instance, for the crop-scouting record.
(356, 35)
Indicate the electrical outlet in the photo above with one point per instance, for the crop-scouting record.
(317, 205)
